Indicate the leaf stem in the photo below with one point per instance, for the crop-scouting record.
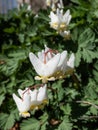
(89, 103)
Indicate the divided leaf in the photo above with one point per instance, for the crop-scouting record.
(65, 125)
(6, 121)
(30, 124)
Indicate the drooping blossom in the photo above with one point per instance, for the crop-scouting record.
(30, 100)
(60, 21)
(65, 34)
(54, 4)
(51, 65)
(23, 104)
(39, 97)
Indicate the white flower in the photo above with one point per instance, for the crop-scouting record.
(65, 67)
(60, 21)
(42, 94)
(45, 69)
(39, 97)
(29, 7)
(53, 7)
(50, 66)
(60, 4)
(23, 103)
(48, 2)
(54, 20)
(65, 34)
(54, 4)
(30, 100)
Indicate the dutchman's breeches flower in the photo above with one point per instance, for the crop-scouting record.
(53, 4)
(39, 97)
(51, 65)
(30, 100)
(65, 34)
(48, 2)
(60, 21)
(23, 104)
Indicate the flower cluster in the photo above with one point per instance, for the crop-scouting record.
(51, 65)
(60, 20)
(30, 99)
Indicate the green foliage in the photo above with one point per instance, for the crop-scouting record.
(66, 124)
(73, 101)
(2, 97)
(6, 121)
(30, 124)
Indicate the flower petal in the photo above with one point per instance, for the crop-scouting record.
(63, 59)
(68, 69)
(71, 60)
(44, 69)
(42, 94)
(18, 102)
(51, 65)
(37, 64)
(54, 18)
(33, 96)
(20, 92)
(41, 55)
(24, 114)
(22, 104)
(67, 17)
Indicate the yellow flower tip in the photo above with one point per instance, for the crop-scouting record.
(38, 78)
(69, 72)
(62, 27)
(46, 79)
(54, 25)
(33, 107)
(37, 107)
(45, 101)
(43, 78)
(53, 9)
(58, 72)
(68, 37)
(48, 4)
(41, 106)
(51, 78)
(55, 76)
(24, 114)
(61, 77)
